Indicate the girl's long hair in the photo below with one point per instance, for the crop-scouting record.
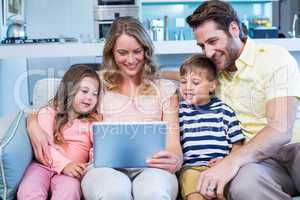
(64, 97)
(132, 27)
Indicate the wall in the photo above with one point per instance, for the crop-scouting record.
(1, 88)
(13, 85)
(2, 31)
(59, 18)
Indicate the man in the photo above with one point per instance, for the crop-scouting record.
(261, 83)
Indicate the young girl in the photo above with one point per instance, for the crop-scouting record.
(67, 122)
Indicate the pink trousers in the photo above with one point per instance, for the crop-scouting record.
(39, 180)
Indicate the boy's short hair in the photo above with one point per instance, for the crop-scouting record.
(196, 62)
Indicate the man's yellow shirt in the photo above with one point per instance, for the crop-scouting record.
(264, 72)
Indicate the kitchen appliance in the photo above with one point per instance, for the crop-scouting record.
(166, 30)
(115, 2)
(40, 40)
(180, 23)
(157, 28)
(263, 32)
(296, 25)
(16, 29)
(288, 12)
(105, 15)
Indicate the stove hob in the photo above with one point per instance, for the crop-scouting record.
(32, 41)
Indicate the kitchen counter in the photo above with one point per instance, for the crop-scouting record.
(47, 50)
(95, 49)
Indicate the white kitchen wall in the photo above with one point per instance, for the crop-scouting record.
(1, 87)
(57, 18)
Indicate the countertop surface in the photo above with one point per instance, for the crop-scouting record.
(95, 49)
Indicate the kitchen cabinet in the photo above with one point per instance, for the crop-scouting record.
(285, 19)
(176, 11)
(59, 18)
(186, 1)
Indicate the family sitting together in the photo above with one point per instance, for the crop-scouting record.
(231, 131)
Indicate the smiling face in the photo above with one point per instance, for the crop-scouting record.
(129, 56)
(223, 49)
(195, 87)
(86, 96)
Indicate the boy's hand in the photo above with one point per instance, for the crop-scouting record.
(76, 170)
(214, 161)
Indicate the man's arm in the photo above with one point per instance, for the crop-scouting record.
(39, 140)
(236, 146)
(281, 113)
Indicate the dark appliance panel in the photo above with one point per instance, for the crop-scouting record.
(115, 2)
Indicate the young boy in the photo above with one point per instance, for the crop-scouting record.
(209, 128)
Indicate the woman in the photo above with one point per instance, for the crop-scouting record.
(132, 93)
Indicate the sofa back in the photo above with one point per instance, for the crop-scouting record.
(43, 91)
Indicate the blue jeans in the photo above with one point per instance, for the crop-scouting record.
(129, 184)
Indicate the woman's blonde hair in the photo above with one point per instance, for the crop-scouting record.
(64, 97)
(131, 27)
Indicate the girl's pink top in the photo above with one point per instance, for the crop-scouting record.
(77, 136)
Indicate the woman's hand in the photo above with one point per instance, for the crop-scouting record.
(165, 160)
(76, 170)
(39, 141)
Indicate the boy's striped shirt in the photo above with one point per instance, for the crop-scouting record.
(207, 131)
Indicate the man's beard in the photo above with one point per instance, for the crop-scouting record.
(233, 54)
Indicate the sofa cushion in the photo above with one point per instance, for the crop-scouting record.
(15, 154)
(4, 124)
(43, 91)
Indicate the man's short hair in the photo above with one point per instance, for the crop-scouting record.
(220, 12)
(196, 63)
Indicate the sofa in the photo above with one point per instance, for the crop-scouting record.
(15, 149)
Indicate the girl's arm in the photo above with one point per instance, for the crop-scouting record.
(39, 140)
(59, 161)
(171, 158)
(75, 170)
(45, 121)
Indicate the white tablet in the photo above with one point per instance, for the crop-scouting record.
(127, 144)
